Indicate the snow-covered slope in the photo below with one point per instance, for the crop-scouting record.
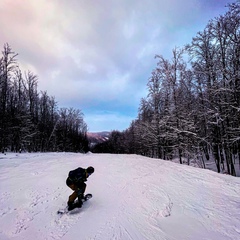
(133, 198)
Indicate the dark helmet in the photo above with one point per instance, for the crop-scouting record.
(90, 170)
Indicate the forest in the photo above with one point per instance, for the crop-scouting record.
(192, 109)
(31, 120)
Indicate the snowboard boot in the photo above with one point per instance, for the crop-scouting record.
(70, 206)
(79, 203)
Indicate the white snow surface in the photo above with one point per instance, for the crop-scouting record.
(134, 197)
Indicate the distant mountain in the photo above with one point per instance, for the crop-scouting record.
(97, 137)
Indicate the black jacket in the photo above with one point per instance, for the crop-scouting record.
(78, 175)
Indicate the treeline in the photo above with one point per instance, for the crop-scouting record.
(192, 110)
(30, 120)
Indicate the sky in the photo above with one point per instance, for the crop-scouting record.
(138, 198)
(97, 55)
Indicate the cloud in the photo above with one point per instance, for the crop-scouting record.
(98, 53)
(99, 120)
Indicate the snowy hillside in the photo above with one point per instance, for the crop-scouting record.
(134, 198)
(97, 137)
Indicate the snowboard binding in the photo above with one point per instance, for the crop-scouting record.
(76, 204)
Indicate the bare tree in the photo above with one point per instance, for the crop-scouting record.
(7, 67)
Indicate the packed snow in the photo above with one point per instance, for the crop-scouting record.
(134, 198)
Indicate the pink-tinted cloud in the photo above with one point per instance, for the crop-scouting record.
(99, 51)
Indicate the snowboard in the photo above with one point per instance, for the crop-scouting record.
(84, 199)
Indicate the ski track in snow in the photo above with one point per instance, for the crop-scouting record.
(133, 198)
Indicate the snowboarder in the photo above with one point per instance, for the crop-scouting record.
(76, 181)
